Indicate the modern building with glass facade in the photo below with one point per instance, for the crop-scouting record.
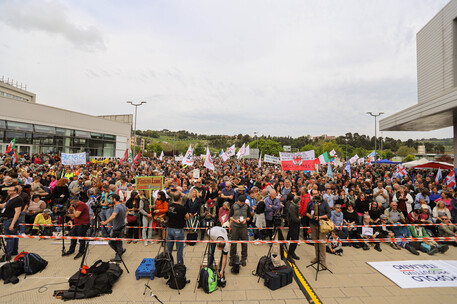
(44, 129)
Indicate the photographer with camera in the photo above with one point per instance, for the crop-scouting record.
(316, 210)
(218, 234)
(118, 219)
(240, 213)
(79, 213)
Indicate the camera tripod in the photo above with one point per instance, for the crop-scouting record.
(2, 241)
(206, 254)
(93, 224)
(318, 266)
(276, 232)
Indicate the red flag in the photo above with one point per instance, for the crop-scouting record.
(126, 157)
(137, 157)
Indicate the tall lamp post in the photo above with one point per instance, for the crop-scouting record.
(375, 116)
(136, 105)
(257, 139)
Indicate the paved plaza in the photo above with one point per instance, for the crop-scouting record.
(353, 281)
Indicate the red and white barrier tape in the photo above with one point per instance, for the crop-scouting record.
(372, 240)
(255, 228)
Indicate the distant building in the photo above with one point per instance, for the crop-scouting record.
(139, 142)
(39, 128)
(436, 106)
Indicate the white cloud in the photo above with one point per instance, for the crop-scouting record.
(276, 67)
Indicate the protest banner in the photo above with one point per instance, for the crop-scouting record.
(149, 182)
(298, 161)
(71, 159)
(271, 159)
(419, 274)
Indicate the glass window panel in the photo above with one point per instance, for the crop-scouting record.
(45, 129)
(65, 132)
(21, 137)
(109, 137)
(2, 124)
(13, 125)
(108, 149)
(82, 134)
(96, 135)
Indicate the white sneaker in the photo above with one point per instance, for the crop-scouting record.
(146, 243)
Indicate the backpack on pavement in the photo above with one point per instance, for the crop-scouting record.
(33, 263)
(207, 280)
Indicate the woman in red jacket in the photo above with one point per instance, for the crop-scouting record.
(160, 212)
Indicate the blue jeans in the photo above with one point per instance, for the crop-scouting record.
(79, 230)
(12, 244)
(105, 213)
(176, 234)
(21, 220)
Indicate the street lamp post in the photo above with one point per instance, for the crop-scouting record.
(136, 105)
(375, 116)
(257, 139)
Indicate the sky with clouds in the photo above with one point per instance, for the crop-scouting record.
(284, 68)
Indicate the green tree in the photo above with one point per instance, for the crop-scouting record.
(155, 147)
(387, 154)
(405, 150)
(267, 146)
(199, 150)
(409, 158)
(307, 147)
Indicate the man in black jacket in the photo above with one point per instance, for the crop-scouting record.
(294, 219)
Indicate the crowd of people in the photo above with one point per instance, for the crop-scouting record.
(240, 197)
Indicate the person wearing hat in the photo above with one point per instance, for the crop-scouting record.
(239, 191)
(240, 213)
(43, 218)
(207, 216)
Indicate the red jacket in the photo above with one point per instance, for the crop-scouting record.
(304, 203)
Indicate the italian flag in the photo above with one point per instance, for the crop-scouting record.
(15, 157)
(323, 159)
(11, 146)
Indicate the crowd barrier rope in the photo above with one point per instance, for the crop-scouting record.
(370, 240)
(256, 228)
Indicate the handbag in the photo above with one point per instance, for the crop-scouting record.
(326, 226)
(132, 219)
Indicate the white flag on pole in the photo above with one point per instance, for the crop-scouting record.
(161, 156)
(241, 152)
(260, 160)
(333, 153)
(189, 157)
(230, 152)
(208, 161)
(248, 151)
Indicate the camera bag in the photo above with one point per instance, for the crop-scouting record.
(272, 280)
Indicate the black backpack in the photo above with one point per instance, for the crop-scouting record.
(163, 265)
(263, 266)
(33, 263)
(181, 281)
(207, 280)
(9, 272)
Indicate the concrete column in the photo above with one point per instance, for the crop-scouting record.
(455, 138)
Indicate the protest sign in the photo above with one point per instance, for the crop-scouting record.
(298, 161)
(71, 159)
(419, 274)
(271, 159)
(149, 182)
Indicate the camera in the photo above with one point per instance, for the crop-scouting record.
(317, 198)
(221, 282)
(236, 265)
(61, 210)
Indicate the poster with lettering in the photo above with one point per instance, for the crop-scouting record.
(299, 161)
(71, 159)
(149, 182)
(419, 274)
